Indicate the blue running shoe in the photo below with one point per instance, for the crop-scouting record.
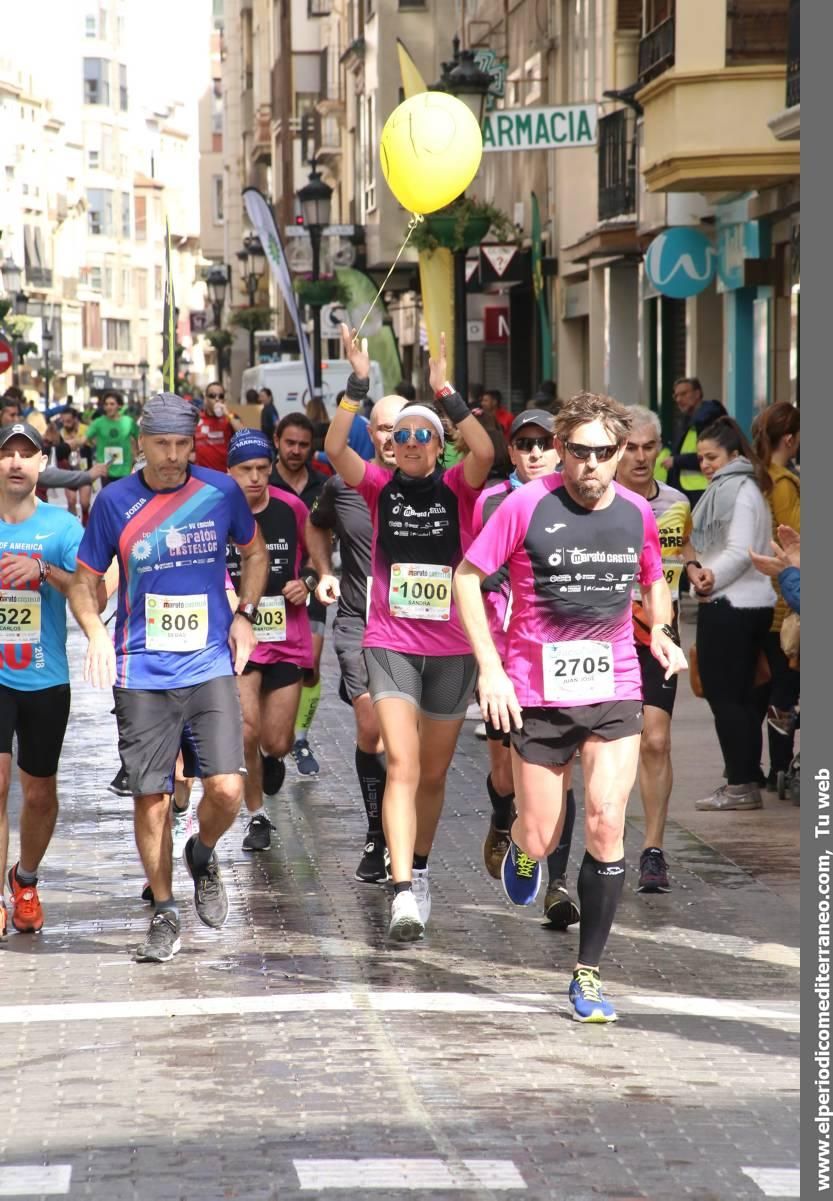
(521, 876)
(305, 761)
(588, 1000)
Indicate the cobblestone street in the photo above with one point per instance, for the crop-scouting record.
(297, 1054)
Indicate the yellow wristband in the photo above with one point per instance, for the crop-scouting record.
(350, 406)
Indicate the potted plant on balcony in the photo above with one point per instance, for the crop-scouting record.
(319, 292)
(462, 224)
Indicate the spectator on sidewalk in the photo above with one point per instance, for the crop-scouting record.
(492, 403)
(681, 465)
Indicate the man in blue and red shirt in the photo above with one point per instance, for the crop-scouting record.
(177, 649)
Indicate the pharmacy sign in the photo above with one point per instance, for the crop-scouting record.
(540, 128)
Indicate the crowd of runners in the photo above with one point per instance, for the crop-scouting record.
(548, 584)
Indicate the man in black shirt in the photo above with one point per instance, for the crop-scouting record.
(341, 510)
(292, 472)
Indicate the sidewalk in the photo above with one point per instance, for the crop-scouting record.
(295, 1054)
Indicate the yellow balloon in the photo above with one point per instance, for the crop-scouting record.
(430, 150)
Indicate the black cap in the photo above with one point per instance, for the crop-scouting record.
(21, 429)
(532, 417)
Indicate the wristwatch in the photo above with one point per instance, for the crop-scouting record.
(669, 632)
(692, 563)
(310, 581)
(247, 610)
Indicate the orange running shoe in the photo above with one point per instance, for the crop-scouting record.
(4, 921)
(28, 914)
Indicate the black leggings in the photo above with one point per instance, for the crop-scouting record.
(729, 643)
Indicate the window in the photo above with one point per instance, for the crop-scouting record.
(217, 198)
(141, 278)
(157, 283)
(123, 87)
(108, 283)
(125, 214)
(90, 26)
(100, 211)
(140, 217)
(412, 3)
(124, 286)
(102, 22)
(92, 159)
(585, 24)
(96, 81)
(116, 334)
(106, 148)
(90, 277)
(91, 325)
(369, 141)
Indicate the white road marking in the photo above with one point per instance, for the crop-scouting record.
(776, 1182)
(714, 1007)
(175, 1007)
(35, 1180)
(446, 1002)
(717, 944)
(499, 1175)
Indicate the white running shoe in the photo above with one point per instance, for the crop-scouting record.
(405, 922)
(182, 824)
(421, 886)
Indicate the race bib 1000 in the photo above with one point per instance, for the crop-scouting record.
(420, 590)
(578, 672)
(176, 623)
(270, 623)
(20, 617)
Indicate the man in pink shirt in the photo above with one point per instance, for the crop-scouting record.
(575, 542)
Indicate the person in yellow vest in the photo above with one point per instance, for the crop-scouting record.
(682, 465)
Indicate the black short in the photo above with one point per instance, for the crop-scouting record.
(151, 724)
(317, 614)
(39, 718)
(275, 675)
(348, 633)
(494, 734)
(550, 736)
(656, 690)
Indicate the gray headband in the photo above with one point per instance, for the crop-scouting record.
(166, 413)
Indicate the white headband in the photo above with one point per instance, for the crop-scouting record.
(426, 414)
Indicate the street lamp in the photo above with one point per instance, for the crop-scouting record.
(250, 258)
(315, 197)
(216, 282)
(144, 368)
(46, 339)
(461, 77)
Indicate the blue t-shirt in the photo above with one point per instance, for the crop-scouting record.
(53, 535)
(171, 550)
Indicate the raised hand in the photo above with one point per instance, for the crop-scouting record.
(438, 368)
(356, 352)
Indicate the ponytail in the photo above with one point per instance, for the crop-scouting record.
(773, 424)
(726, 432)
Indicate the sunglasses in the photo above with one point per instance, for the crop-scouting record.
(602, 453)
(525, 445)
(216, 395)
(403, 436)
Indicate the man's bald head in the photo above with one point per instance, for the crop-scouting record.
(382, 416)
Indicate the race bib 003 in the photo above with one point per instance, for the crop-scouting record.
(270, 623)
(420, 590)
(176, 623)
(20, 614)
(578, 672)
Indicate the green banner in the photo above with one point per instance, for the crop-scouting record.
(540, 294)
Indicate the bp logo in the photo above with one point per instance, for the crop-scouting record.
(141, 550)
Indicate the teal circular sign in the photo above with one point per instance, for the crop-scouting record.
(680, 262)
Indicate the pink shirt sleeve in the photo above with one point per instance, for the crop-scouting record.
(650, 561)
(455, 480)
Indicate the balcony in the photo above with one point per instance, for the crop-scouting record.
(755, 33)
(319, 8)
(656, 50)
(39, 277)
(617, 165)
(794, 55)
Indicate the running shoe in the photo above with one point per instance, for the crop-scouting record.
(480, 731)
(587, 999)
(732, 796)
(305, 761)
(421, 886)
(521, 875)
(494, 849)
(258, 835)
(147, 894)
(162, 941)
(373, 865)
(781, 720)
(27, 915)
(560, 909)
(118, 784)
(653, 871)
(182, 827)
(473, 712)
(4, 922)
(405, 922)
(210, 898)
(274, 774)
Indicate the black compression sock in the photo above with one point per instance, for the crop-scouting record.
(420, 862)
(501, 806)
(372, 778)
(600, 887)
(558, 859)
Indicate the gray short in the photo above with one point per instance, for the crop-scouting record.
(348, 633)
(317, 614)
(150, 731)
(440, 686)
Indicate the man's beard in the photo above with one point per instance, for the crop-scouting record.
(590, 489)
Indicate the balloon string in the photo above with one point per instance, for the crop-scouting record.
(412, 224)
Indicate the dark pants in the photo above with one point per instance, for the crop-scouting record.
(785, 690)
(729, 643)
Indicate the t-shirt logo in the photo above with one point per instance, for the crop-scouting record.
(174, 540)
(141, 550)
